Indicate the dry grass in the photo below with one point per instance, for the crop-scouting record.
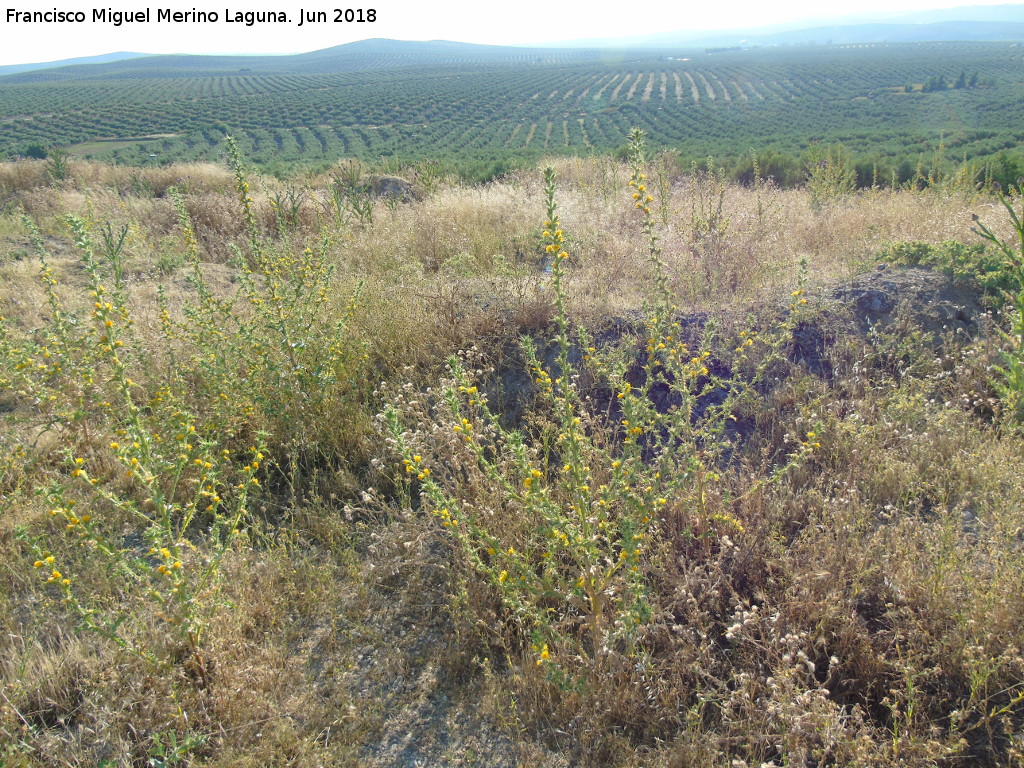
(866, 610)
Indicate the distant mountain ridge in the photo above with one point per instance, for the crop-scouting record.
(942, 31)
(362, 55)
(966, 23)
(12, 69)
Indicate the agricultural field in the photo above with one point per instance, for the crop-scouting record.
(611, 462)
(891, 105)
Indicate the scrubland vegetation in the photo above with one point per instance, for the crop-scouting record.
(600, 465)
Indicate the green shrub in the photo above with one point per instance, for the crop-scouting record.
(977, 266)
(164, 436)
(830, 175)
(1010, 385)
(152, 496)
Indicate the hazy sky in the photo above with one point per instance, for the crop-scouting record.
(514, 22)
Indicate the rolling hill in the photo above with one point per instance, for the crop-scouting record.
(498, 105)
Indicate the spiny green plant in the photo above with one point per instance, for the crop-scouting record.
(830, 176)
(58, 165)
(709, 224)
(270, 351)
(167, 750)
(351, 196)
(165, 441)
(667, 167)
(430, 176)
(1010, 384)
(287, 209)
(949, 178)
(149, 495)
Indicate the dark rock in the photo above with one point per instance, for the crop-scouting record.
(394, 188)
(928, 300)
